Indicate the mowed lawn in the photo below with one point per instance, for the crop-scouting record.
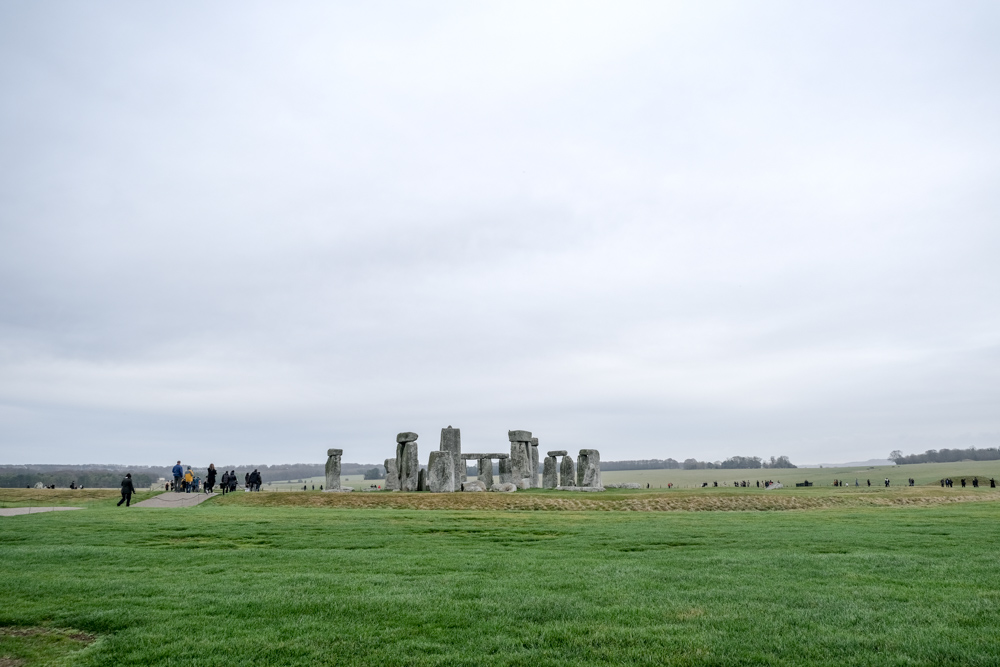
(234, 581)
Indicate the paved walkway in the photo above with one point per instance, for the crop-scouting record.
(17, 511)
(172, 499)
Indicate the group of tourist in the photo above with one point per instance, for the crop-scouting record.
(947, 481)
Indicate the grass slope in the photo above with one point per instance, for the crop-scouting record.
(235, 581)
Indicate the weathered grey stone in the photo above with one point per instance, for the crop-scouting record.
(490, 455)
(504, 487)
(440, 473)
(567, 472)
(624, 485)
(391, 475)
(533, 454)
(422, 480)
(520, 460)
(406, 436)
(519, 436)
(505, 472)
(524, 484)
(558, 452)
(408, 465)
(580, 488)
(486, 472)
(333, 469)
(588, 468)
(451, 441)
(473, 485)
(550, 473)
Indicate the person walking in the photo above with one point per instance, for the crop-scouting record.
(188, 480)
(178, 476)
(127, 490)
(246, 481)
(233, 481)
(210, 478)
(225, 482)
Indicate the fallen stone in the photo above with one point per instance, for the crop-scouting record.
(580, 488)
(519, 436)
(524, 484)
(558, 452)
(624, 485)
(504, 488)
(407, 436)
(473, 485)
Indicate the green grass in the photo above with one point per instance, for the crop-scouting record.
(235, 581)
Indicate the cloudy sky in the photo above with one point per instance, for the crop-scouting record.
(247, 232)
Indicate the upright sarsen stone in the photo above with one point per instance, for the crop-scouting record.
(550, 473)
(505, 471)
(588, 468)
(451, 441)
(440, 473)
(333, 469)
(567, 472)
(391, 475)
(485, 472)
(533, 455)
(520, 456)
(406, 461)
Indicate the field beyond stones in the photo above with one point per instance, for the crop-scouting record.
(824, 577)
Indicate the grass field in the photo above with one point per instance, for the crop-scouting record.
(828, 577)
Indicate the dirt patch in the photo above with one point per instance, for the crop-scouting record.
(11, 662)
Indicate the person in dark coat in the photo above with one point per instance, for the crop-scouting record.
(233, 481)
(127, 491)
(225, 482)
(210, 478)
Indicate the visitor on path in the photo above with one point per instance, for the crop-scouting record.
(993, 483)
(127, 491)
(963, 482)
(188, 480)
(887, 482)
(178, 476)
(869, 482)
(232, 481)
(196, 483)
(224, 483)
(210, 481)
(246, 481)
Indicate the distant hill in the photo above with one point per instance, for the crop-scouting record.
(850, 464)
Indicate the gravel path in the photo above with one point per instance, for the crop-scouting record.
(171, 499)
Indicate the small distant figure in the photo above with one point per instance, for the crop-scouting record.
(72, 485)
(993, 483)
(304, 488)
(912, 481)
(887, 482)
(210, 478)
(975, 482)
(869, 482)
(127, 490)
(246, 481)
(942, 482)
(963, 482)
(320, 487)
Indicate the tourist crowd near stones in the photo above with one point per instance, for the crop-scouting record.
(446, 467)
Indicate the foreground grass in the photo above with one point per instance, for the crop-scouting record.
(233, 582)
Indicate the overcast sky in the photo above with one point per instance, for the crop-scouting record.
(246, 232)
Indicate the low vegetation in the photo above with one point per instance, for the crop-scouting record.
(849, 576)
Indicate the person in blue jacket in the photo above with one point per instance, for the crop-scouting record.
(178, 476)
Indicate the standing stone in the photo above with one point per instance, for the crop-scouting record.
(391, 475)
(535, 482)
(520, 456)
(567, 472)
(440, 473)
(407, 463)
(588, 468)
(486, 472)
(451, 441)
(550, 473)
(505, 473)
(333, 469)
(422, 480)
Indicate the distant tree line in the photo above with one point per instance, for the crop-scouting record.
(63, 478)
(695, 464)
(946, 455)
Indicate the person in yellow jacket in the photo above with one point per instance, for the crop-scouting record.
(188, 478)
